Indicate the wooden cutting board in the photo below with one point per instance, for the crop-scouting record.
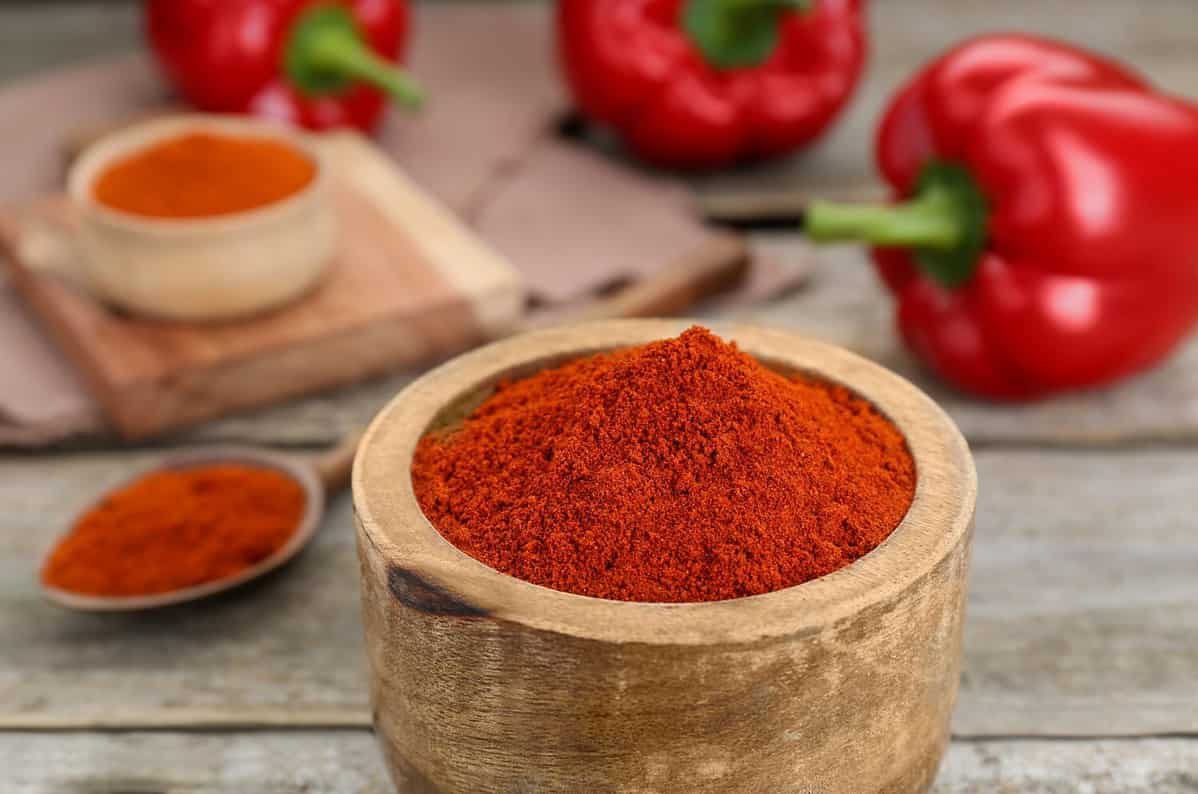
(410, 283)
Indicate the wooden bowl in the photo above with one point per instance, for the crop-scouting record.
(481, 682)
(201, 269)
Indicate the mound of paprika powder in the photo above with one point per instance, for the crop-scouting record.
(204, 174)
(177, 528)
(683, 470)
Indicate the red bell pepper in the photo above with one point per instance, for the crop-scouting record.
(317, 64)
(1045, 235)
(702, 83)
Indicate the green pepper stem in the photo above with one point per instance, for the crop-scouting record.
(736, 34)
(736, 6)
(336, 51)
(943, 225)
(929, 221)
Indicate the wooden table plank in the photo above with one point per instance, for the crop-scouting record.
(347, 762)
(1083, 615)
(283, 650)
(1083, 610)
(328, 762)
(1145, 766)
(844, 304)
(34, 37)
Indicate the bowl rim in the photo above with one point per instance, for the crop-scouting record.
(390, 520)
(122, 143)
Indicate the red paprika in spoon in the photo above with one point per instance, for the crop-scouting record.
(176, 529)
(1045, 231)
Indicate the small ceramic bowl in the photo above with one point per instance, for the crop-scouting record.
(200, 269)
(481, 682)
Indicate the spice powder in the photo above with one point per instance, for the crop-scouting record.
(177, 528)
(682, 470)
(200, 175)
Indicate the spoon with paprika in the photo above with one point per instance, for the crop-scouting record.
(197, 524)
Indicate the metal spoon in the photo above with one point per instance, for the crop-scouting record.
(320, 477)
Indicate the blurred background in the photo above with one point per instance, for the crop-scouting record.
(39, 34)
(1081, 648)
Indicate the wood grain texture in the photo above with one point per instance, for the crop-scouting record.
(284, 650)
(391, 298)
(1075, 627)
(844, 684)
(846, 304)
(33, 38)
(317, 762)
(348, 762)
(1083, 618)
(1082, 592)
(842, 303)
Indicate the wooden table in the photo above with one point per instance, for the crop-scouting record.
(1081, 669)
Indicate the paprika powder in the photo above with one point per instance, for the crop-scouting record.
(202, 174)
(683, 470)
(175, 529)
